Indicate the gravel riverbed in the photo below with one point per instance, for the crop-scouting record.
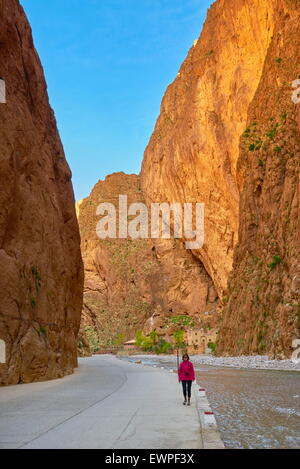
(245, 362)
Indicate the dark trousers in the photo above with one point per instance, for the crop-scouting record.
(187, 389)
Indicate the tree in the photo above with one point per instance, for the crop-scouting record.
(181, 322)
(162, 347)
(147, 343)
(212, 346)
(153, 337)
(179, 338)
(119, 340)
(139, 339)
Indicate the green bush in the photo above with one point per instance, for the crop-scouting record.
(212, 346)
(278, 149)
(42, 331)
(255, 146)
(139, 338)
(182, 321)
(92, 338)
(179, 338)
(147, 343)
(150, 343)
(33, 302)
(119, 340)
(162, 347)
(276, 261)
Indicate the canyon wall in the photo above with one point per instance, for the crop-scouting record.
(193, 152)
(264, 287)
(133, 285)
(236, 82)
(227, 136)
(41, 276)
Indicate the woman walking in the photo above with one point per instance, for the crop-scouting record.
(186, 375)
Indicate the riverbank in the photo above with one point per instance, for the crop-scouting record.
(245, 362)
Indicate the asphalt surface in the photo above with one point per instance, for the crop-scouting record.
(106, 404)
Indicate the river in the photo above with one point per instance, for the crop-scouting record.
(255, 409)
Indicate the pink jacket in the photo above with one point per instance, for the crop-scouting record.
(186, 372)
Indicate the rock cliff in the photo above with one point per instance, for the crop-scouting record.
(264, 287)
(41, 274)
(135, 285)
(228, 136)
(193, 152)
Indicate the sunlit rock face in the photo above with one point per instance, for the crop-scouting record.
(215, 142)
(41, 276)
(133, 285)
(193, 152)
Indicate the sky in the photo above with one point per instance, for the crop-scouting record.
(107, 65)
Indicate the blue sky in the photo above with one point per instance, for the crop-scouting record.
(107, 65)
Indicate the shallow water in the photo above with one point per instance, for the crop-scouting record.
(254, 408)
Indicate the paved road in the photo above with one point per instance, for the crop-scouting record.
(107, 403)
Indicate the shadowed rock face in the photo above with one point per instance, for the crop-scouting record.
(41, 274)
(132, 285)
(264, 287)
